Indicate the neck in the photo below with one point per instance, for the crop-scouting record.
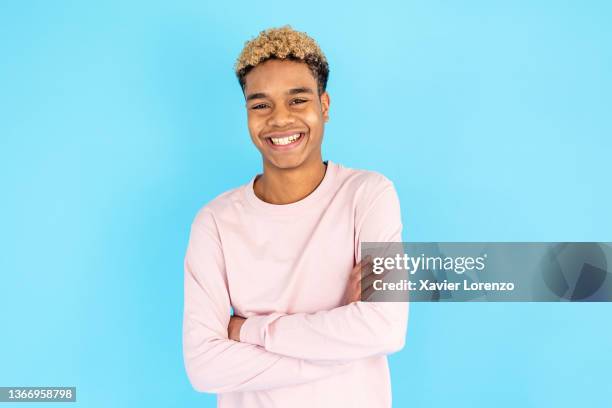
(286, 186)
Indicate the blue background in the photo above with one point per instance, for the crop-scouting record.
(119, 121)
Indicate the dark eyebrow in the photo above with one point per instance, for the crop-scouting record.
(258, 95)
(300, 90)
(292, 91)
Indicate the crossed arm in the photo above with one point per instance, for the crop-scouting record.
(227, 354)
(352, 294)
(355, 330)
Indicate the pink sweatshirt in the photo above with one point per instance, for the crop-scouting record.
(285, 269)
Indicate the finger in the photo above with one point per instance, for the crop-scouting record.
(368, 287)
(365, 295)
(369, 291)
(366, 292)
(365, 268)
(366, 260)
(355, 275)
(366, 275)
(358, 268)
(368, 279)
(355, 287)
(354, 284)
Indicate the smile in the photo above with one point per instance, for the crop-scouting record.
(285, 142)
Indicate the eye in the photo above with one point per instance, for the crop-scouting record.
(259, 106)
(298, 101)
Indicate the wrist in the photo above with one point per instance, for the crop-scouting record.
(235, 326)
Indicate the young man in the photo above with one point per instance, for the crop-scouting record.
(283, 252)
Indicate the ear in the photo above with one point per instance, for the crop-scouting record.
(325, 101)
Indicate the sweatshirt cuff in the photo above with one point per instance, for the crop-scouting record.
(254, 328)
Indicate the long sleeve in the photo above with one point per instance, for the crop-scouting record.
(213, 362)
(354, 331)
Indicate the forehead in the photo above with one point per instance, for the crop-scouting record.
(279, 75)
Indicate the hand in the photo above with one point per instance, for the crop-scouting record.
(233, 329)
(353, 289)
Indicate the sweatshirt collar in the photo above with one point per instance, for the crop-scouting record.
(307, 203)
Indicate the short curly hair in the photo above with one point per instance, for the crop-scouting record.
(283, 43)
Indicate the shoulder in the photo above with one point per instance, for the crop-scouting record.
(220, 207)
(373, 197)
(367, 185)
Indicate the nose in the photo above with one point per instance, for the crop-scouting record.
(280, 117)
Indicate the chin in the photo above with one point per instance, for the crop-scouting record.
(286, 163)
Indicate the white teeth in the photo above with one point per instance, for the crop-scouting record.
(285, 140)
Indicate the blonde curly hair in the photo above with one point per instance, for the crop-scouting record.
(283, 43)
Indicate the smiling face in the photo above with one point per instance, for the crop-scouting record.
(286, 115)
